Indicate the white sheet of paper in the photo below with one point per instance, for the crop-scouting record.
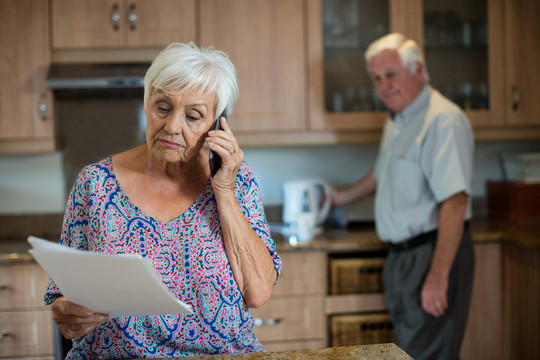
(117, 285)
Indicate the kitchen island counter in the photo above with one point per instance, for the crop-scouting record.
(375, 352)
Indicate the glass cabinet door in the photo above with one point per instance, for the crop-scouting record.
(461, 40)
(463, 44)
(456, 50)
(349, 26)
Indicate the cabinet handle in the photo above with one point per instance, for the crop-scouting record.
(516, 98)
(3, 287)
(266, 322)
(115, 17)
(4, 334)
(42, 107)
(132, 17)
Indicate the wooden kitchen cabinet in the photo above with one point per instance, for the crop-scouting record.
(522, 58)
(26, 326)
(294, 317)
(265, 41)
(483, 335)
(337, 42)
(80, 24)
(521, 305)
(26, 121)
(482, 54)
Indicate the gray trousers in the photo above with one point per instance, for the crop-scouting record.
(419, 334)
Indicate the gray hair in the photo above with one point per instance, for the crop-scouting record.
(188, 67)
(408, 50)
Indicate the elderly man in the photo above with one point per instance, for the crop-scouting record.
(422, 182)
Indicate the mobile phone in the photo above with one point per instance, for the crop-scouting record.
(214, 159)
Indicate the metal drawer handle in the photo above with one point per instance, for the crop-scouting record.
(266, 322)
(515, 97)
(42, 107)
(4, 334)
(115, 17)
(132, 17)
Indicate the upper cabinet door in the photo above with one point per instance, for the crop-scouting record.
(265, 41)
(464, 55)
(159, 23)
(25, 103)
(523, 60)
(460, 38)
(341, 94)
(122, 23)
(87, 23)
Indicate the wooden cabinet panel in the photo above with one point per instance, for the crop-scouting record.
(24, 319)
(84, 23)
(265, 41)
(22, 286)
(483, 334)
(303, 272)
(160, 23)
(116, 24)
(28, 333)
(521, 303)
(294, 317)
(25, 103)
(289, 318)
(522, 59)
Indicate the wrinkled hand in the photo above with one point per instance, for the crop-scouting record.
(434, 294)
(225, 145)
(74, 320)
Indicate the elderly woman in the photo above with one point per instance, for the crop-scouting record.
(206, 237)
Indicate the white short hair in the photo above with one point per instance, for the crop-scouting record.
(188, 67)
(408, 51)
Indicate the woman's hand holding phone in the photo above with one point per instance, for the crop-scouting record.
(223, 143)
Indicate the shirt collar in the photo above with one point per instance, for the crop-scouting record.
(418, 103)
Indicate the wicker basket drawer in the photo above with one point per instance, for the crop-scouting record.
(356, 276)
(361, 329)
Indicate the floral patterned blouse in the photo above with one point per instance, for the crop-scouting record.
(187, 253)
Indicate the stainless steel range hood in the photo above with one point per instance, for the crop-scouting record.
(96, 76)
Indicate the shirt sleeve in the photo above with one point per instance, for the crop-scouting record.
(248, 195)
(74, 227)
(447, 158)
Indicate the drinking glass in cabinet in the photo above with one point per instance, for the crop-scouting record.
(455, 41)
(349, 26)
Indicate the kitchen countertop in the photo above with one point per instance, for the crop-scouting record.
(357, 238)
(372, 352)
(364, 237)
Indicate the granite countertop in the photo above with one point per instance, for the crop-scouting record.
(364, 237)
(371, 352)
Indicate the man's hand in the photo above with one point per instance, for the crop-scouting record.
(435, 294)
(74, 320)
(435, 288)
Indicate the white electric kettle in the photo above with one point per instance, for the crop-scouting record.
(311, 195)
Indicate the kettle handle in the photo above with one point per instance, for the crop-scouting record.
(325, 208)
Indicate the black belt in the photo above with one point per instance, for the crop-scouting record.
(418, 240)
